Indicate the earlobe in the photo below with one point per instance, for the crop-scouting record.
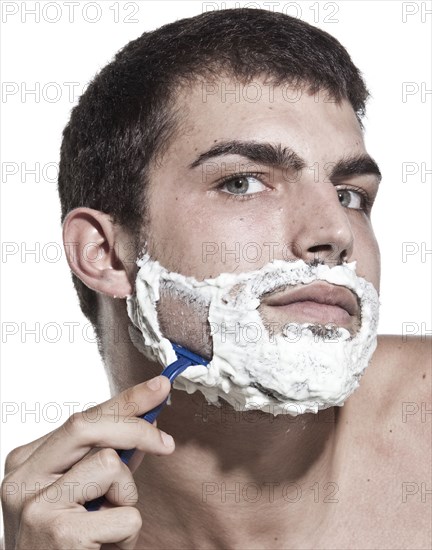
(92, 249)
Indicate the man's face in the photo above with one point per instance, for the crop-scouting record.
(309, 204)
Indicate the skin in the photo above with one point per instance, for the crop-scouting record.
(350, 463)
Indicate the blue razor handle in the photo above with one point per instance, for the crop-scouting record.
(185, 358)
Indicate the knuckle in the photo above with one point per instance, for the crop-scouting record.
(147, 432)
(128, 396)
(92, 414)
(150, 438)
(109, 460)
(146, 429)
(75, 424)
(31, 512)
(133, 520)
(15, 458)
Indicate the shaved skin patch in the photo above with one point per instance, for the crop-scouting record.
(294, 368)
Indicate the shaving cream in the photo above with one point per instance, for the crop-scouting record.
(292, 371)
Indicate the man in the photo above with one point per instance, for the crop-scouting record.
(145, 164)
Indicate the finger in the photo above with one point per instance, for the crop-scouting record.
(59, 454)
(103, 473)
(62, 451)
(137, 400)
(20, 454)
(81, 530)
(82, 431)
(125, 524)
(132, 402)
(138, 456)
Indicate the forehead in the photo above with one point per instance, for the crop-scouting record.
(314, 125)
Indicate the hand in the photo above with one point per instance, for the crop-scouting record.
(48, 480)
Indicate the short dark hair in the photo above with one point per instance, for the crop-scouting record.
(126, 118)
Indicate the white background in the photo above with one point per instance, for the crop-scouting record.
(38, 289)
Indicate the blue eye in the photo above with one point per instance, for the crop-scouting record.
(241, 184)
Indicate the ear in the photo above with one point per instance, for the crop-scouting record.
(92, 244)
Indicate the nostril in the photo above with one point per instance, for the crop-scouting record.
(321, 248)
(320, 252)
(344, 255)
(328, 253)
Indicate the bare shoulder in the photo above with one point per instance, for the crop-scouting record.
(388, 428)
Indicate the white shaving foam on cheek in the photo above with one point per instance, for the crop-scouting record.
(292, 372)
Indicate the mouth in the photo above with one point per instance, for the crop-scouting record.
(318, 302)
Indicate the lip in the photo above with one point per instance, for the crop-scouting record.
(320, 301)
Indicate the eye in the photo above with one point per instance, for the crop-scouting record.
(241, 184)
(351, 199)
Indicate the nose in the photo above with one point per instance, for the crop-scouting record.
(319, 226)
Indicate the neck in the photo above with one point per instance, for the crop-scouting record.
(228, 466)
(237, 479)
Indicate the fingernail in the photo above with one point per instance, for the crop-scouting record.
(155, 383)
(167, 439)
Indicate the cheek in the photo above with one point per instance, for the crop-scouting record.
(238, 237)
(204, 236)
(367, 253)
(377, 279)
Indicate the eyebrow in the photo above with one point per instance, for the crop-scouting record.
(264, 153)
(357, 165)
(285, 157)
